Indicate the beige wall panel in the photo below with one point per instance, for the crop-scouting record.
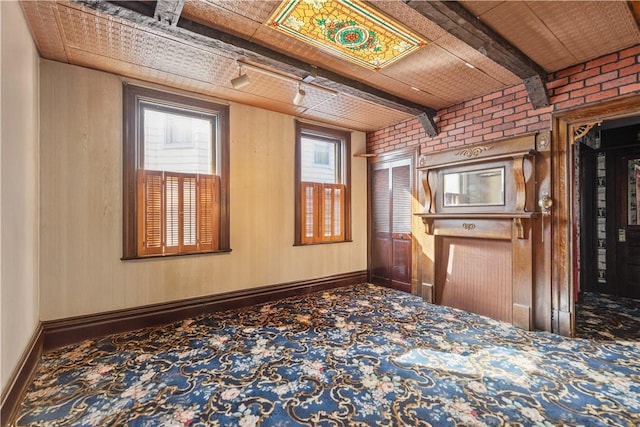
(81, 150)
(19, 310)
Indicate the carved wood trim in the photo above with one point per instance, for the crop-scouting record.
(520, 184)
(562, 303)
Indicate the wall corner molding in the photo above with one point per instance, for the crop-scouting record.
(21, 377)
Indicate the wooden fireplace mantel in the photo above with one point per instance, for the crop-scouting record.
(479, 256)
(468, 225)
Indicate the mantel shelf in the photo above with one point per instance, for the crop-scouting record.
(429, 219)
(476, 215)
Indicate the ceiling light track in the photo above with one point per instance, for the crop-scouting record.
(209, 38)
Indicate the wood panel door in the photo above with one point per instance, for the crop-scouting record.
(391, 219)
(623, 266)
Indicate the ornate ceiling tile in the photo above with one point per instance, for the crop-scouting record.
(347, 28)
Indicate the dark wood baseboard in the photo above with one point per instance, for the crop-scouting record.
(21, 377)
(57, 333)
(62, 332)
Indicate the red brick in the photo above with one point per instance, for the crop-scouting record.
(515, 89)
(482, 132)
(557, 83)
(492, 110)
(602, 95)
(473, 115)
(473, 140)
(634, 69)
(516, 116)
(482, 106)
(620, 82)
(630, 88)
(616, 66)
(542, 125)
(558, 98)
(602, 60)
(502, 113)
(473, 127)
(503, 99)
(506, 125)
(472, 102)
(515, 131)
(464, 111)
(584, 74)
(568, 71)
(493, 122)
(515, 103)
(568, 88)
(632, 51)
(527, 121)
(464, 123)
(585, 91)
(525, 107)
(448, 115)
(602, 78)
(494, 135)
(491, 96)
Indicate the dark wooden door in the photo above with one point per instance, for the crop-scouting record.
(588, 220)
(623, 266)
(391, 218)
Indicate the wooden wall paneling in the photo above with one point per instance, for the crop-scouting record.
(541, 238)
(475, 275)
(482, 257)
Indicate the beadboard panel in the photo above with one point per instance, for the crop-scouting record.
(81, 207)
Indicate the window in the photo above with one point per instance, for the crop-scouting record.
(175, 178)
(322, 185)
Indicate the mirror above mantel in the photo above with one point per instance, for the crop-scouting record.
(480, 215)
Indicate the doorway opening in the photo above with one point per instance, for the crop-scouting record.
(606, 232)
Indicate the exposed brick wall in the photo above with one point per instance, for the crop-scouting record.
(508, 112)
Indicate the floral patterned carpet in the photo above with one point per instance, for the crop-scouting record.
(355, 356)
(605, 317)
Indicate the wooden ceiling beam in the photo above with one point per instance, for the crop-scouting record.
(168, 11)
(142, 13)
(458, 21)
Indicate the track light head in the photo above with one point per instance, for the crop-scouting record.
(297, 99)
(241, 81)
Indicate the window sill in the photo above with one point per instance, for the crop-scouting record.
(159, 256)
(323, 243)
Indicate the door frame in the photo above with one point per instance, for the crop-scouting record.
(412, 153)
(566, 129)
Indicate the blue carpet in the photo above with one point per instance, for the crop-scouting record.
(356, 356)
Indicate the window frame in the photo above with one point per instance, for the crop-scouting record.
(132, 146)
(343, 166)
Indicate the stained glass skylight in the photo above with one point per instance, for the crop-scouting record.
(347, 28)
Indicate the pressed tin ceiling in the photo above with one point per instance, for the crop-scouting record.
(348, 29)
(200, 51)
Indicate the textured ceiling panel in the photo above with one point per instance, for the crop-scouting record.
(359, 110)
(517, 23)
(483, 64)
(42, 19)
(370, 116)
(590, 29)
(443, 75)
(312, 55)
(558, 34)
(129, 43)
(241, 18)
(410, 18)
(404, 90)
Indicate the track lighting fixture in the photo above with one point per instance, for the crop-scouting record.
(297, 100)
(241, 81)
